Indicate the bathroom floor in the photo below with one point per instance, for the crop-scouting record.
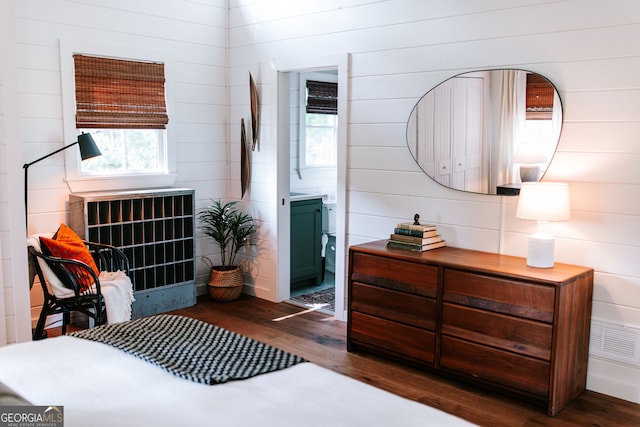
(323, 300)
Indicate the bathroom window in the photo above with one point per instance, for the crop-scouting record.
(318, 120)
(320, 143)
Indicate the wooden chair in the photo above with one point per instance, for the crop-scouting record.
(60, 280)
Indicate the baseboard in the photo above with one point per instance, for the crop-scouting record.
(619, 381)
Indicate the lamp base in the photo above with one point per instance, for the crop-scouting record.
(529, 173)
(541, 250)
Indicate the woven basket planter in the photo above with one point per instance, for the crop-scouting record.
(225, 284)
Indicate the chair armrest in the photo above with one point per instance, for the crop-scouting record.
(108, 257)
(68, 271)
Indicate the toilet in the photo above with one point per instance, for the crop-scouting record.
(329, 236)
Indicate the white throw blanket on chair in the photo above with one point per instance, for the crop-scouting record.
(117, 291)
(116, 286)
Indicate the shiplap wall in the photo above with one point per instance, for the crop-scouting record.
(6, 16)
(192, 34)
(14, 298)
(399, 50)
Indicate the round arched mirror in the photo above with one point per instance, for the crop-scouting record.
(486, 131)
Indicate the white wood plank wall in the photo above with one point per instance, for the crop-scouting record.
(401, 49)
(6, 17)
(14, 297)
(194, 34)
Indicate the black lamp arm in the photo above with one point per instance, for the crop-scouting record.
(26, 165)
(26, 173)
(88, 150)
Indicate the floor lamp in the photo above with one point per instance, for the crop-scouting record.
(88, 149)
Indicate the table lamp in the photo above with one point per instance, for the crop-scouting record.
(530, 156)
(543, 202)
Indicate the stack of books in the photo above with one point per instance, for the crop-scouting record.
(415, 237)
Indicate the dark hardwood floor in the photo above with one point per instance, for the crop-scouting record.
(322, 340)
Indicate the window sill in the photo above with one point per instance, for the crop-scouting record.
(120, 182)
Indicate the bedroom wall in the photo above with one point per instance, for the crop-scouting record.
(14, 298)
(194, 35)
(6, 13)
(401, 49)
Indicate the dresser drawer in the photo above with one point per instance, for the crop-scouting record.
(510, 333)
(412, 277)
(501, 367)
(532, 301)
(488, 318)
(400, 307)
(404, 340)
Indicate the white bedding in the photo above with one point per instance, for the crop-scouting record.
(101, 386)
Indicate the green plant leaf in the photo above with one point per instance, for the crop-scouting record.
(229, 227)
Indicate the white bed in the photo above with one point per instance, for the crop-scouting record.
(99, 385)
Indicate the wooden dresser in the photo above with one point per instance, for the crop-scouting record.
(477, 316)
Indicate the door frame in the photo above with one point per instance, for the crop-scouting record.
(341, 63)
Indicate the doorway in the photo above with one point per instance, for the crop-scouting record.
(297, 176)
(312, 187)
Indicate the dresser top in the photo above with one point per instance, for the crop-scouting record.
(479, 261)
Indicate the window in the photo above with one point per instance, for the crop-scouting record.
(543, 116)
(539, 98)
(122, 96)
(122, 103)
(318, 120)
(126, 151)
(321, 133)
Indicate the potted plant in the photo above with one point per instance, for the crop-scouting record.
(231, 229)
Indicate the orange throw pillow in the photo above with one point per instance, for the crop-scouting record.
(67, 244)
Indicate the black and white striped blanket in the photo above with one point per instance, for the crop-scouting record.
(192, 349)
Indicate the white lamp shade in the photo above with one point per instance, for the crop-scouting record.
(544, 201)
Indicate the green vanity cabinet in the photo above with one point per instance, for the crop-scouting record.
(306, 242)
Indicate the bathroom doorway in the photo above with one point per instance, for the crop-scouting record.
(316, 170)
(313, 187)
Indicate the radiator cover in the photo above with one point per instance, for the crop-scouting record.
(156, 231)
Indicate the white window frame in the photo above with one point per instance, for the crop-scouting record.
(75, 178)
(302, 120)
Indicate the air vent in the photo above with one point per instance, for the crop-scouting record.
(615, 342)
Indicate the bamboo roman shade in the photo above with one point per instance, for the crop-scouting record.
(540, 93)
(117, 93)
(322, 97)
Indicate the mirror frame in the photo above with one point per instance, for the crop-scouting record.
(497, 174)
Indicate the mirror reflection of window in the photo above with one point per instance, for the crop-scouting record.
(541, 127)
(540, 94)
